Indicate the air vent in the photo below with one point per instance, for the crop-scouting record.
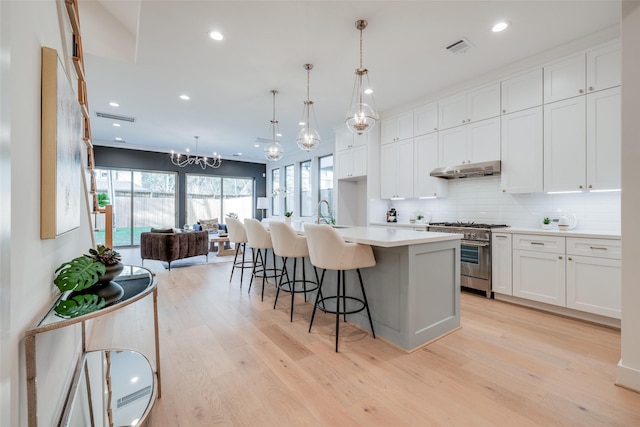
(460, 46)
(134, 396)
(114, 117)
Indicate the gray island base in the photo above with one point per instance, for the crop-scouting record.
(414, 289)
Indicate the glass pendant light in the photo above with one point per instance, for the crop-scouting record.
(361, 117)
(308, 138)
(273, 151)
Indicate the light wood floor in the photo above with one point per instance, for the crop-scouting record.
(229, 359)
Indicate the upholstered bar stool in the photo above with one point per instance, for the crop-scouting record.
(287, 244)
(329, 251)
(238, 235)
(259, 238)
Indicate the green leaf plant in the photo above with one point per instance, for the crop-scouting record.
(79, 305)
(78, 274)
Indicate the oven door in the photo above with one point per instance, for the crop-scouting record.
(475, 259)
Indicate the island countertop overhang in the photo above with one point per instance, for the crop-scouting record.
(388, 238)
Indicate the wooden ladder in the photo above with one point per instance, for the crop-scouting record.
(90, 188)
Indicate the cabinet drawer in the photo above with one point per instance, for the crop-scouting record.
(599, 248)
(539, 243)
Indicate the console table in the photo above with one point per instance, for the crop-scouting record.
(138, 282)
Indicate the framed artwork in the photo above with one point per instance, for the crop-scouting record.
(61, 171)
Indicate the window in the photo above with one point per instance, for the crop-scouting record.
(275, 186)
(306, 204)
(288, 188)
(325, 180)
(141, 200)
(210, 197)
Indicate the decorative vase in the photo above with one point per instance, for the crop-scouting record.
(287, 219)
(111, 272)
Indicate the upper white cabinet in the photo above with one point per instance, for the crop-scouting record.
(603, 67)
(522, 92)
(352, 163)
(595, 70)
(396, 128)
(396, 169)
(522, 148)
(425, 119)
(471, 106)
(564, 145)
(426, 160)
(472, 143)
(346, 140)
(603, 139)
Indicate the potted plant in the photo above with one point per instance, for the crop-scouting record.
(419, 218)
(78, 275)
(103, 199)
(287, 217)
(546, 223)
(110, 258)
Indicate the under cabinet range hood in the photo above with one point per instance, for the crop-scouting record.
(467, 171)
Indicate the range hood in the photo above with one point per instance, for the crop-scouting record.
(468, 170)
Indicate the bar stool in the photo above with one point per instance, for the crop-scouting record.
(238, 235)
(329, 251)
(287, 244)
(259, 238)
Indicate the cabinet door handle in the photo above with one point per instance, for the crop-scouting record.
(560, 257)
(590, 186)
(598, 248)
(538, 243)
(500, 237)
(580, 187)
(581, 91)
(504, 111)
(590, 87)
(570, 259)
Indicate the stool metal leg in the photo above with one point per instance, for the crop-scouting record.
(264, 272)
(284, 270)
(234, 265)
(292, 286)
(244, 250)
(338, 309)
(313, 313)
(366, 304)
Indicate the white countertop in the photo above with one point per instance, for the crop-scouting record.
(390, 237)
(564, 233)
(398, 224)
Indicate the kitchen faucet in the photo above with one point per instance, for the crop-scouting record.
(320, 207)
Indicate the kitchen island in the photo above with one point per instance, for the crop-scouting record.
(414, 289)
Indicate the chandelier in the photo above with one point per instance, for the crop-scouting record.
(308, 138)
(189, 159)
(273, 151)
(361, 117)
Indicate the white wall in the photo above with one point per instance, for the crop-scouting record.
(481, 200)
(28, 263)
(629, 365)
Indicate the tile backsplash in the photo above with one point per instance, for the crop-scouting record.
(481, 200)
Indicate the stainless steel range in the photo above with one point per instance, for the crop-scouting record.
(475, 252)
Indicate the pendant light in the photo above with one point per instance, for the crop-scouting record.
(361, 117)
(273, 151)
(308, 138)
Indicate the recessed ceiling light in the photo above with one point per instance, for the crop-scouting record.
(216, 35)
(117, 125)
(256, 145)
(368, 91)
(114, 104)
(239, 154)
(500, 26)
(118, 139)
(302, 123)
(278, 134)
(185, 97)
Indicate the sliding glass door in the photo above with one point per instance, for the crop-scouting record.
(141, 200)
(215, 197)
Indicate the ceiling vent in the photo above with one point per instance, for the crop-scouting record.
(114, 117)
(459, 46)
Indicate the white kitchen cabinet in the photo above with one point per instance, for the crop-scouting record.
(396, 169)
(604, 67)
(346, 140)
(522, 92)
(475, 105)
(425, 119)
(603, 139)
(352, 163)
(564, 145)
(396, 128)
(472, 143)
(522, 152)
(426, 160)
(501, 263)
(539, 276)
(565, 78)
(594, 276)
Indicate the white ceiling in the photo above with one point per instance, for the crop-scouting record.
(144, 54)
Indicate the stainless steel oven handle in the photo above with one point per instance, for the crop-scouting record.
(475, 244)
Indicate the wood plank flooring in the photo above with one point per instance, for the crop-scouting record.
(229, 359)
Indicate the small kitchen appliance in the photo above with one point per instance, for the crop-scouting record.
(392, 215)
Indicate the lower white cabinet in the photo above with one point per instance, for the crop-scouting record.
(575, 272)
(501, 271)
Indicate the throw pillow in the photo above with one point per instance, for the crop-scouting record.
(209, 224)
(162, 230)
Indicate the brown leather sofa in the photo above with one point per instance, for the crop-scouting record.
(168, 246)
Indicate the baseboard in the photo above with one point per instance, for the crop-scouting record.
(628, 377)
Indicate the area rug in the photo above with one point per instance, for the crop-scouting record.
(197, 260)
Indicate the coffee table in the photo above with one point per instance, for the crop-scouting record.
(224, 248)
